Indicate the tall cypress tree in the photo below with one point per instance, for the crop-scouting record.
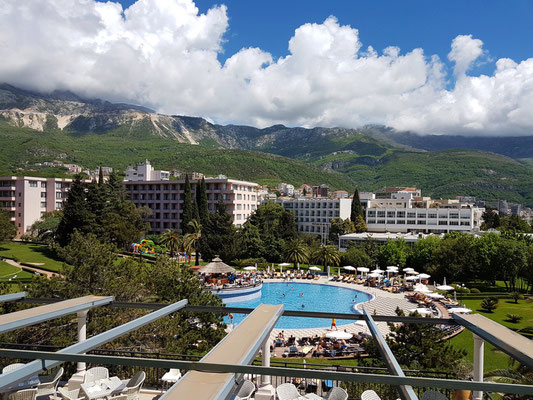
(100, 177)
(357, 208)
(188, 211)
(76, 214)
(201, 200)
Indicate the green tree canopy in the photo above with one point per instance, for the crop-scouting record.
(7, 228)
(357, 208)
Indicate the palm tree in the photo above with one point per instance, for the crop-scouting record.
(296, 251)
(172, 239)
(192, 239)
(520, 375)
(327, 255)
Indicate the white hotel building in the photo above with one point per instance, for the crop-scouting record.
(153, 189)
(406, 212)
(314, 214)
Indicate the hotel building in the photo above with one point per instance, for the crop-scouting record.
(28, 198)
(165, 197)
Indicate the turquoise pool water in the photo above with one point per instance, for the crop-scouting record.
(316, 297)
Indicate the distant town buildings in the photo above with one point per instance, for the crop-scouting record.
(320, 191)
(145, 172)
(286, 189)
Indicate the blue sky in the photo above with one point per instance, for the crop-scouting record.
(505, 27)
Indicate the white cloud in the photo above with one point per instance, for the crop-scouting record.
(163, 54)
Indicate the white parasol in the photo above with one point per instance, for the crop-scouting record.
(339, 335)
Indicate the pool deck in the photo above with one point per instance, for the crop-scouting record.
(383, 303)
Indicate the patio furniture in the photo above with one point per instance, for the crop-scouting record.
(70, 394)
(118, 397)
(287, 391)
(171, 376)
(337, 393)
(96, 374)
(369, 395)
(11, 367)
(245, 391)
(102, 388)
(433, 395)
(133, 386)
(49, 383)
(26, 394)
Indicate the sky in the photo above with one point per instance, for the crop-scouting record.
(450, 67)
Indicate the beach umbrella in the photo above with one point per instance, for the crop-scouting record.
(339, 335)
(216, 267)
(314, 268)
(412, 278)
(377, 270)
(349, 268)
(424, 276)
(374, 275)
(413, 272)
(360, 322)
(420, 288)
(363, 269)
(409, 269)
(283, 265)
(249, 268)
(435, 295)
(392, 267)
(459, 310)
(444, 286)
(422, 311)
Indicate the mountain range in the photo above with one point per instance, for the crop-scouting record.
(36, 127)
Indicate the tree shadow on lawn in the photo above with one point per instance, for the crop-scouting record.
(45, 251)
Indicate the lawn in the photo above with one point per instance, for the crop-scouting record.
(31, 253)
(495, 359)
(9, 271)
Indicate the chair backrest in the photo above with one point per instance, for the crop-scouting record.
(433, 395)
(69, 394)
(136, 380)
(369, 395)
(11, 367)
(175, 371)
(27, 394)
(287, 391)
(337, 393)
(246, 389)
(95, 374)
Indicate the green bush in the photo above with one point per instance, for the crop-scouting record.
(516, 296)
(514, 318)
(489, 304)
(475, 290)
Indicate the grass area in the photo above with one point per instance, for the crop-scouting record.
(495, 359)
(31, 253)
(9, 271)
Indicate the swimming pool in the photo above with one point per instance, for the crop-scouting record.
(316, 297)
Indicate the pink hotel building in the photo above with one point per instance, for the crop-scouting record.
(27, 198)
(165, 199)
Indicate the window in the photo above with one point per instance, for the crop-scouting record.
(59, 195)
(421, 222)
(58, 185)
(43, 204)
(381, 214)
(400, 222)
(43, 185)
(253, 197)
(239, 197)
(421, 215)
(411, 215)
(465, 223)
(371, 213)
(371, 221)
(454, 216)
(443, 222)
(391, 221)
(432, 215)
(33, 183)
(43, 195)
(238, 217)
(400, 214)
(454, 222)
(411, 222)
(239, 207)
(391, 214)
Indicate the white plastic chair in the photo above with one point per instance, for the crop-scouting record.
(133, 387)
(433, 395)
(370, 395)
(49, 383)
(287, 391)
(337, 393)
(11, 367)
(70, 394)
(172, 376)
(26, 394)
(245, 391)
(96, 374)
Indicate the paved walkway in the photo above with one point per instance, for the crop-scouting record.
(48, 274)
(383, 303)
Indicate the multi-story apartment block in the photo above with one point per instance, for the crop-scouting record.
(404, 211)
(165, 199)
(286, 189)
(145, 172)
(28, 198)
(313, 215)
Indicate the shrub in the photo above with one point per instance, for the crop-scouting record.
(475, 290)
(516, 296)
(460, 289)
(514, 318)
(489, 304)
